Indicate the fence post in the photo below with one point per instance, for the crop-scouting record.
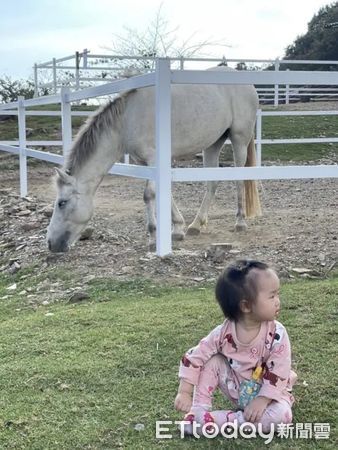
(163, 156)
(22, 146)
(36, 81)
(276, 85)
(54, 76)
(66, 120)
(259, 138)
(287, 93)
(85, 58)
(77, 71)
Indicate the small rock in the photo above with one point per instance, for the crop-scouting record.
(12, 287)
(301, 270)
(219, 251)
(24, 213)
(12, 210)
(222, 245)
(29, 226)
(20, 247)
(321, 257)
(47, 211)
(28, 199)
(52, 258)
(14, 268)
(139, 427)
(78, 296)
(234, 252)
(86, 234)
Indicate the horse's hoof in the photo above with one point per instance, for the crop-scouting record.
(192, 231)
(178, 236)
(241, 227)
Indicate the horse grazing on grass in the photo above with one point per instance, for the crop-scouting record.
(203, 116)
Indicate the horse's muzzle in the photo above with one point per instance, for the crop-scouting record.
(59, 245)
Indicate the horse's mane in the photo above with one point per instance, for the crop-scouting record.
(87, 138)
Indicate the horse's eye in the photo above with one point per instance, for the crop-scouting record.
(62, 203)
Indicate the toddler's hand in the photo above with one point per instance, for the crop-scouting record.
(255, 409)
(183, 402)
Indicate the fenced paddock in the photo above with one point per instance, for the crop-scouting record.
(84, 69)
(163, 173)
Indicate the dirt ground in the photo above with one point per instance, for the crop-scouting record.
(298, 229)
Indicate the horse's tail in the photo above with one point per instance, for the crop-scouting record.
(252, 203)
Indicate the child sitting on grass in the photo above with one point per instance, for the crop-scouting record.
(249, 342)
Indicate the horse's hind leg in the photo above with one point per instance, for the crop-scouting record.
(210, 159)
(240, 155)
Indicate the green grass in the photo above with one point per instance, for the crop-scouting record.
(82, 377)
(44, 127)
(296, 127)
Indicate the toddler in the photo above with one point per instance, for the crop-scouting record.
(249, 342)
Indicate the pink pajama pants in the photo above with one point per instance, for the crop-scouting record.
(213, 376)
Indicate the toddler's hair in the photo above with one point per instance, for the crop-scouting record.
(234, 285)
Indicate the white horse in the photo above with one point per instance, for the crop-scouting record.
(203, 116)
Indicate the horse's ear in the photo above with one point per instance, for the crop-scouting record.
(63, 176)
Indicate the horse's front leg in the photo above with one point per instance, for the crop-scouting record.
(149, 200)
(178, 222)
(201, 218)
(177, 218)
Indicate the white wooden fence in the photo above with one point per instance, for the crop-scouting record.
(163, 174)
(82, 64)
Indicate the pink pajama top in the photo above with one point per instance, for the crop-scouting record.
(270, 348)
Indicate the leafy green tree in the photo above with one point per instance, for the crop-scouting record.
(319, 43)
(11, 89)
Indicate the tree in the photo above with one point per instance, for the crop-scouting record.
(320, 41)
(157, 40)
(11, 89)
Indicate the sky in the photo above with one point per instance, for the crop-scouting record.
(35, 31)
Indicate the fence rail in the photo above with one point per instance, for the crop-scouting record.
(85, 62)
(163, 174)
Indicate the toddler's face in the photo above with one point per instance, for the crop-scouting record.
(267, 304)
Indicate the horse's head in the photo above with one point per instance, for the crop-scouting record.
(73, 209)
